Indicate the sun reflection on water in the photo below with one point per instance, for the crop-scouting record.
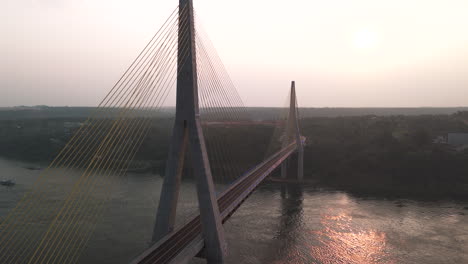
(340, 242)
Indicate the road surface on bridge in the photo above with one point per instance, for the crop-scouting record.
(170, 248)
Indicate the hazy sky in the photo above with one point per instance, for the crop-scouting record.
(340, 52)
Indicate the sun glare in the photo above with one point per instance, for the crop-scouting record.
(365, 39)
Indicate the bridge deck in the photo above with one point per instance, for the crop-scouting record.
(187, 241)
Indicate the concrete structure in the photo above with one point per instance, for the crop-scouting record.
(203, 235)
(293, 133)
(193, 238)
(187, 241)
(188, 136)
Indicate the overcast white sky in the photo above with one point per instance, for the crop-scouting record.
(340, 52)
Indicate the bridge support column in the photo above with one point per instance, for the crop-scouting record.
(165, 218)
(284, 168)
(188, 136)
(300, 163)
(212, 227)
(293, 134)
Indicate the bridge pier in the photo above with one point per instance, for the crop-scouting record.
(284, 168)
(300, 163)
(188, 136)
(165, 218)
(293, 134)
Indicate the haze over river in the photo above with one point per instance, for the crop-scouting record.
(277, 224)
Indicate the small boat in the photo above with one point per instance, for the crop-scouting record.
(7, 182)
(33, 168)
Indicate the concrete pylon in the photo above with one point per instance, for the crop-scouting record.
(188, 136)
(293, 133)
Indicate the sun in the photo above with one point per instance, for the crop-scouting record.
(365, 39)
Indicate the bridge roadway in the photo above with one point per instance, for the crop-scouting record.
(186, 242)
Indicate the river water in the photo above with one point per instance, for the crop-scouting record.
(278, 224)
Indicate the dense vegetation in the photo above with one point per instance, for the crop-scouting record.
(392, 154)
(387, 155)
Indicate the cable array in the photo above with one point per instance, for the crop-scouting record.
(53, 222)
(101, 149)
(280, 131)
(226, 122)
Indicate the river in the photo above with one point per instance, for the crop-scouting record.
(278, 224)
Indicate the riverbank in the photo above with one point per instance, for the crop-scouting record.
(388, 155)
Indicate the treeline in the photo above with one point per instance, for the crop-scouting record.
(366, 154)
(387, 155)
(257, 113)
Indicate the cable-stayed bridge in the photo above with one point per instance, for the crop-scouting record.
(179, 56)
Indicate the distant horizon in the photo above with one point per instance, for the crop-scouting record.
(362, 53)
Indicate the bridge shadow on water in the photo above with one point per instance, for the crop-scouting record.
(291, 219)
(288, 237)
(295, 224)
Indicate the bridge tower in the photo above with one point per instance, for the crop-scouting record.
(187, 136)
(293, 133)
